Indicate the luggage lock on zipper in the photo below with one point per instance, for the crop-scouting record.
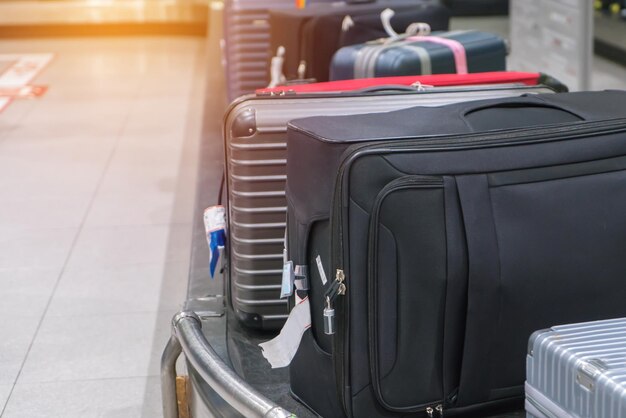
(337, 288)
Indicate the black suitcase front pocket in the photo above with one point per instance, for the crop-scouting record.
(546, 246)
(407, 290)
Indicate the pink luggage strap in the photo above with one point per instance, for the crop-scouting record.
(457, 48)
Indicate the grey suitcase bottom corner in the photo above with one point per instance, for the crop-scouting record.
(260, 322)
(262, 310)
(538, 405)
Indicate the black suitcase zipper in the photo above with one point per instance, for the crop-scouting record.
(402, 183)
(498, 138)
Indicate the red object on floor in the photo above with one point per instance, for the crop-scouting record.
(439, 80)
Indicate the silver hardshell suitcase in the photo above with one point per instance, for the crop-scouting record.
(577, 370)
(255, 131)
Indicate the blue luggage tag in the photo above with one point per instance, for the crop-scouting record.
(215, 227)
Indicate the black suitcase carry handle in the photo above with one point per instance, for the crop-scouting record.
(524, 102)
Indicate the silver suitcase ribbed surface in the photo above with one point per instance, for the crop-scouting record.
(247, 43)
(578, 370)
(255, 134)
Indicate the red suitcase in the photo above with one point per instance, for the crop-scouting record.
(439, 80)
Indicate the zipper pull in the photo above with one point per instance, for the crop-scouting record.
(340, 278)
(337, 288)
(430, 411)
(329, 318)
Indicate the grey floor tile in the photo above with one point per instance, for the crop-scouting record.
(26, 291)
(94, 347)
(125, 245)
(111, 398)
(17, 334)
(151, 170)
(51, 166)
(35, 248)
(131, 288)
(140, 208)
(36, 211)
(5, 390)
(13, 115)
(143, 184)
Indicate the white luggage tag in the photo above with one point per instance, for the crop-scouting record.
(289, 276)
(215, 228)
(286, 288)
(320, 269)
(280, 351)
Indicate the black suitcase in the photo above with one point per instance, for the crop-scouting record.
(452, 234)
(255, 144)
(312, 35)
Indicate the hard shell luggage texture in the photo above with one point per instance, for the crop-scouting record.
(456, 231)
(577, 370)
(483, 52)
(255, 141)
(246, 43)
(311, 36)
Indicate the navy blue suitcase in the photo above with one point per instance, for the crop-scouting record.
(440, 53)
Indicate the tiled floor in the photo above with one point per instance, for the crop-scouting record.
(97, 181)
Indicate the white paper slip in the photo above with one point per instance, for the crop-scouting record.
(320, 267)
(280, 351)
(286, 287)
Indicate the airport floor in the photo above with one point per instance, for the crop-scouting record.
(97, 186)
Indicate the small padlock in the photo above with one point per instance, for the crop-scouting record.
(329, 319)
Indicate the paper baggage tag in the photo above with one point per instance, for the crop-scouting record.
(286, 288)
(215, 228)
(280, 351)
(320, 268)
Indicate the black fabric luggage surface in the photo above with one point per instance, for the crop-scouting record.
(312, 35)
(459, 230)
(484, 52)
